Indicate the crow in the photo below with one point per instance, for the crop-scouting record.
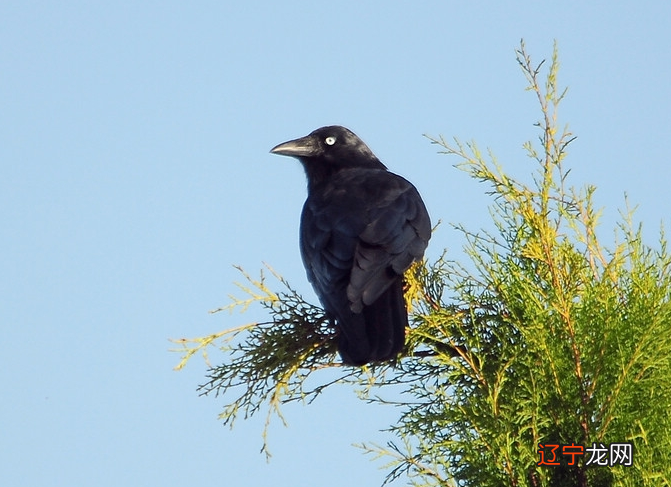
(361, 228)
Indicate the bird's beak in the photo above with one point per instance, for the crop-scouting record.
(303, 147)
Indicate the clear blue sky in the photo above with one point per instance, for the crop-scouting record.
(135, 171)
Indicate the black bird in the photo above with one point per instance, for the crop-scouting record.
(361, 228)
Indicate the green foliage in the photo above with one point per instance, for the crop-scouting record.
(545, 336)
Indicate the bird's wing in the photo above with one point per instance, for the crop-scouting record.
(397, 232)
(329, 235)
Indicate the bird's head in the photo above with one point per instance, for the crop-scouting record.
(327, 150)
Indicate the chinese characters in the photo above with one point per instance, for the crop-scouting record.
(596, 455)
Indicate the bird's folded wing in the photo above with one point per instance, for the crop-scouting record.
(397, 233)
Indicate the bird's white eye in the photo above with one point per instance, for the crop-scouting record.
(330, 140)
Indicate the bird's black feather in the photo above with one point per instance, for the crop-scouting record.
(361, 228)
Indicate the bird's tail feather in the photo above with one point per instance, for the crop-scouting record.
(378, 332)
